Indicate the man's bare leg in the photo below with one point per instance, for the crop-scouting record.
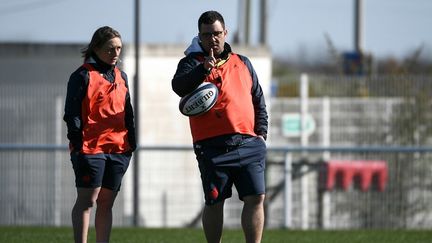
(212, 220)
(253, 218)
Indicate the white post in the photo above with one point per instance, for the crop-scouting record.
(326, 156)
(57, 160)
(288, 191)
(304, 95)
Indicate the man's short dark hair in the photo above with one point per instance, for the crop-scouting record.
(210, 17)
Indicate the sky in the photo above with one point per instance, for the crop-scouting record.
(391, 28)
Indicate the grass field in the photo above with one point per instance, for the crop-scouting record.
(145, 235)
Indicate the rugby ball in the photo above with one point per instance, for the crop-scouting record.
(199, 101)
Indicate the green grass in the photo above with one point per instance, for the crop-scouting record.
(145, 235)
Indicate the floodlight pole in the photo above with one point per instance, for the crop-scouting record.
(247, 21)
(358, 25)
(136, 211)
(263, 23)
(244, 22)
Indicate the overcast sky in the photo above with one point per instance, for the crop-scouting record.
(391, 27)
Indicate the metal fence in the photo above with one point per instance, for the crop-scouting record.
(372, 118)
(37, 189)
(402, 204)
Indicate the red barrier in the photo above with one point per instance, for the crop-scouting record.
(364, 170)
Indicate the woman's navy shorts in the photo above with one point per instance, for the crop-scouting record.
(100, 170)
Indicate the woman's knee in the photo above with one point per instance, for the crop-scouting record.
(86, 197)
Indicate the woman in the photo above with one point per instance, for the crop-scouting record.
(101, 132)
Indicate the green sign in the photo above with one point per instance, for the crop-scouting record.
(291, 125)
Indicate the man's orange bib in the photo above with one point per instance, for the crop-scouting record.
(233, 111)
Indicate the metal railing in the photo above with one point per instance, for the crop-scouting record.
(38, 189)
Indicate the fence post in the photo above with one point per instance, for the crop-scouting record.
(57, 162)
(288, 191)
(323, 195)
(304, 93)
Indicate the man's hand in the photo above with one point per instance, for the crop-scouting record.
(210, 61)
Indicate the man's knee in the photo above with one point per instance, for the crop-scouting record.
(215, 207)
(254, 199)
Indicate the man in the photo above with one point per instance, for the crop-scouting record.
(229, 139)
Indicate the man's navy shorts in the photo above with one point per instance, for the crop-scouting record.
(222, 166)
(100, 170)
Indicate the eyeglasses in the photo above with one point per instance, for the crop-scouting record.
(217, 34)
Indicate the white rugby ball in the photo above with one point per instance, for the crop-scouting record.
(199, 101)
